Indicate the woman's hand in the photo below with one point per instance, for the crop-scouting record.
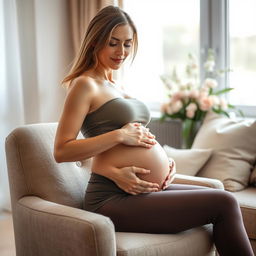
(135, 134)
(169, 179)
(126, 179)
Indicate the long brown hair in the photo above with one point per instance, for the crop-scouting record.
(97, 36)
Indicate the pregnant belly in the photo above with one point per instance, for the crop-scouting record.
(154, 159)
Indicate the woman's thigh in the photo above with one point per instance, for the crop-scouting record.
(176, 209)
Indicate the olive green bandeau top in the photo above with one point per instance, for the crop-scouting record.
(113, 115)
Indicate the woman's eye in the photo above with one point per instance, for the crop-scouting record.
(112, 44)
(127, 45)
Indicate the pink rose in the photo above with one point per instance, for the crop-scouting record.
(176, 106)
(194, 94)
(205, 103)
(190, 113)
(177, 96)
(191, 107)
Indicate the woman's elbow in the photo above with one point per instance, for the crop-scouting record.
(58, 156)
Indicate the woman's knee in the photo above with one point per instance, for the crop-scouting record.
(227, 199)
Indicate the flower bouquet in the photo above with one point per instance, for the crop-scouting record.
(190, 99)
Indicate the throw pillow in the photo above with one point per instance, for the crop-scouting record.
(188, 161)
(234, 149)
(253, 177)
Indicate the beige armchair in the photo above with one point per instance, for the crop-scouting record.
(47, 207)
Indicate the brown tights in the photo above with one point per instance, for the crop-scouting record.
(181, 207)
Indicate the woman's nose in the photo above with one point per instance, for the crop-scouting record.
(121, 50)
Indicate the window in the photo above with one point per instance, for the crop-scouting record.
(167, 33)
(169, 30)
(242, 40)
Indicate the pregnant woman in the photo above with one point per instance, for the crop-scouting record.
(131, 174)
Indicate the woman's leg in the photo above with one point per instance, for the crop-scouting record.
(180, 208)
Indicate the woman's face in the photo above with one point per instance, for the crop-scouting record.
(117, 49)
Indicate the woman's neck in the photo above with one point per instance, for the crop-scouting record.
(103, 74)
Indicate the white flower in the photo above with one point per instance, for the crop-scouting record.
(184, 94)
(170, 85)
(190, 85)
(223, 104)
(209, 65)
(183, 86)
(210, 83)
(215, 100)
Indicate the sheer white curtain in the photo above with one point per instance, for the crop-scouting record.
(11, 102)
(35, 52)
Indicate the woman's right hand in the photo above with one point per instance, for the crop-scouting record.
(135, 134)
(126, 179)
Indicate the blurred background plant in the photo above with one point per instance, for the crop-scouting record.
(189, 99)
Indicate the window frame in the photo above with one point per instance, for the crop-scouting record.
(214, 33)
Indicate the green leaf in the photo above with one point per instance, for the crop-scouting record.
(220, 112)
(223, 91)
(241, 113)
(231, 106)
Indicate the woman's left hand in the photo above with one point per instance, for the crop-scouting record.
(170, 177)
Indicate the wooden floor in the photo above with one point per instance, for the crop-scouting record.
(7, 246)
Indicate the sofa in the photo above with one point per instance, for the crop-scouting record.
(223, 149)
(47, 200)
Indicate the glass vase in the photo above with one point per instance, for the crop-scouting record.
(189, 131)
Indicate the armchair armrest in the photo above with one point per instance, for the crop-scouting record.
(45, 228)
(198, 181)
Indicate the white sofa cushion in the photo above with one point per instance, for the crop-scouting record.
(234, 150)
(188, 161)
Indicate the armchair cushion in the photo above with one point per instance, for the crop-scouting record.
(134, 244)
(188, 161)
(234, 150)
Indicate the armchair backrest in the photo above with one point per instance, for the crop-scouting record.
(33, 170)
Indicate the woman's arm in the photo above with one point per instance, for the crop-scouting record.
(68, 148)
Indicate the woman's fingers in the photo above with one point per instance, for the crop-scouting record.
(135, 134)
(147, 143)
(128, 181)
(170, 177)
(143, 186)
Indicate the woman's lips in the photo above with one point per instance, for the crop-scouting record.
(116, 60)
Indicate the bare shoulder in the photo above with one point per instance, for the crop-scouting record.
(83, 84)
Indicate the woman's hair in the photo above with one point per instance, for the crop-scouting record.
(97, 36)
